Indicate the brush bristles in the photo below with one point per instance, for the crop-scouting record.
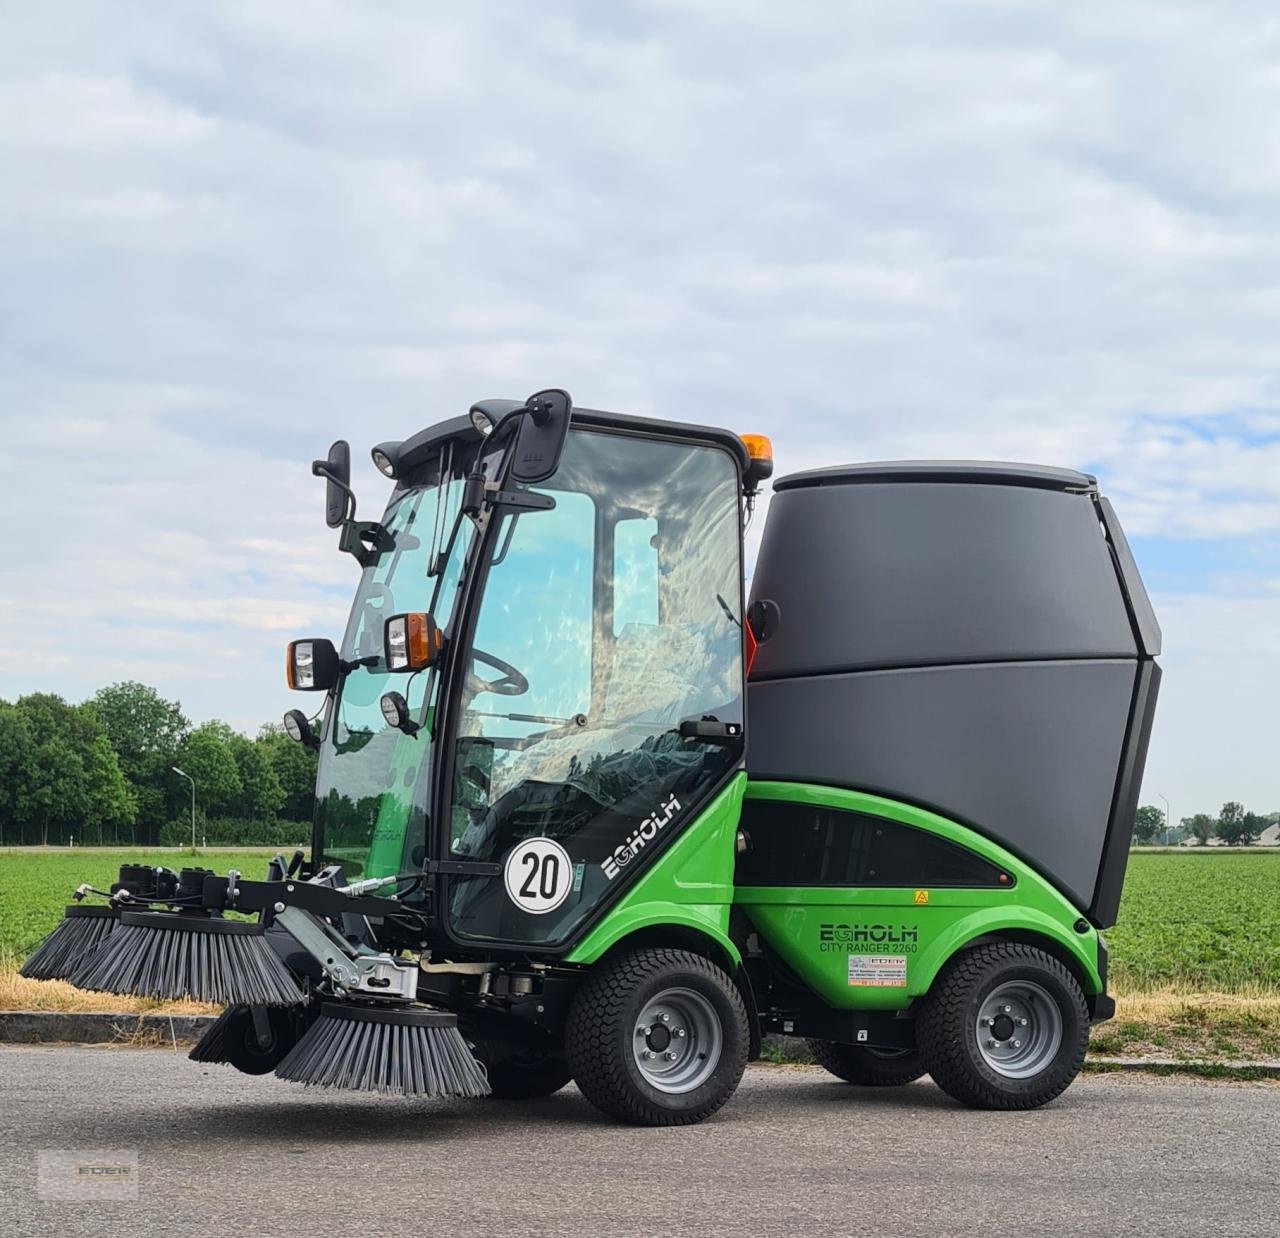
(68, 946)
(212, 1046)
(389, 1058)
(142, 961)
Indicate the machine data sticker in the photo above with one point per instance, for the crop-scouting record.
(538, 875)
(886, 970)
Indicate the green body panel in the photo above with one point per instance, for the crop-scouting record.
(835, 939)
(689, 886)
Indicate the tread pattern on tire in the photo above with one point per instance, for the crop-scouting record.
(941, 1023)
(592, 1035)
(854, 1064)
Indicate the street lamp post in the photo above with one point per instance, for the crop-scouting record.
(1166, 817)
(192, 781)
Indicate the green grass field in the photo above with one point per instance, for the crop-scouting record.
(35, 886)
(1198, 922)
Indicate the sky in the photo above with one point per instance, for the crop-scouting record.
(230, 233)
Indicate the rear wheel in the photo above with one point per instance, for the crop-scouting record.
(864, 1065)
(1005, 1026)
(657, 1037)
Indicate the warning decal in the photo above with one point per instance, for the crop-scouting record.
(887, 970)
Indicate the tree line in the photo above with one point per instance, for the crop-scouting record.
(101, 772)
(1233, 826)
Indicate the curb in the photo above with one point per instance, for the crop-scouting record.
(32, 1027)
(794, 1051)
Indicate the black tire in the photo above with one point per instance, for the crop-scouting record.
(946, 1028)
(528, 1075)
(868, 1067)
(246, 1052)
(602, 1026)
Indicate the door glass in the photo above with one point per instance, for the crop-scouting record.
(604, 624)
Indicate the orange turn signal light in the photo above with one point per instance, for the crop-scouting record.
(411, 642)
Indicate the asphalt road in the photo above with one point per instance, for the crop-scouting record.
(793, 1153)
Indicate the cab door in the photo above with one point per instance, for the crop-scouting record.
(605, 625)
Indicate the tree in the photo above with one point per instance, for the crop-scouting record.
(1148, 821)
(145, 731)
(260, 788)
(110, 801)
(1236, 827)
(1200, 827)
(205, 754)
(17, 772)
(295, 769)
(58, 740)
(58, 799)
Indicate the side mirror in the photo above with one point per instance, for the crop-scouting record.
(311, 665)
(411, 642)
(336, 470)
(540, 438)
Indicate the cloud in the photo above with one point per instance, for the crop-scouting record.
(872, 232)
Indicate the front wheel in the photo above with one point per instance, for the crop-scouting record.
(1004, 1026)
(657, 1037)
(527, 1075)
(866, 1066)
(256, 1039)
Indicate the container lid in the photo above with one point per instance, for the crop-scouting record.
(980, 472)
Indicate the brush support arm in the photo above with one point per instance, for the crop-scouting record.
(349, 970)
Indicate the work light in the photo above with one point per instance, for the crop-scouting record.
(482, 421)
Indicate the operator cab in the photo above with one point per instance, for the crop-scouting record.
(588, 693)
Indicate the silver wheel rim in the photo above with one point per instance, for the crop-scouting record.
(1019, 1029)
(677, 1041)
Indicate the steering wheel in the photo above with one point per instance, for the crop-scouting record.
(512, 683)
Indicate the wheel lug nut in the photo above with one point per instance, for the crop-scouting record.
(671, 1057)
(991, 1044)
(666, 1018)
(1017, 1044)
(679, 1031)
(1006, 1009)
(646, 1055)
(1022, 1023)
(991, 1023)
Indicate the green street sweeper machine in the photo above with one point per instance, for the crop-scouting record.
(586, 811)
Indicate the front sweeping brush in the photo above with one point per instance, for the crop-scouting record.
(409, 1051)
(157, 954)
(82, 931)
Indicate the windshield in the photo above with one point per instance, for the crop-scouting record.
(605, 623)
(368, 798)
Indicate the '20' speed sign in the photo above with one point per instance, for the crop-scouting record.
(538, 875)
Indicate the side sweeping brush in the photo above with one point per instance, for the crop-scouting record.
(82, 931)
(212, 1046)
(405, 1050)
(157, 954)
